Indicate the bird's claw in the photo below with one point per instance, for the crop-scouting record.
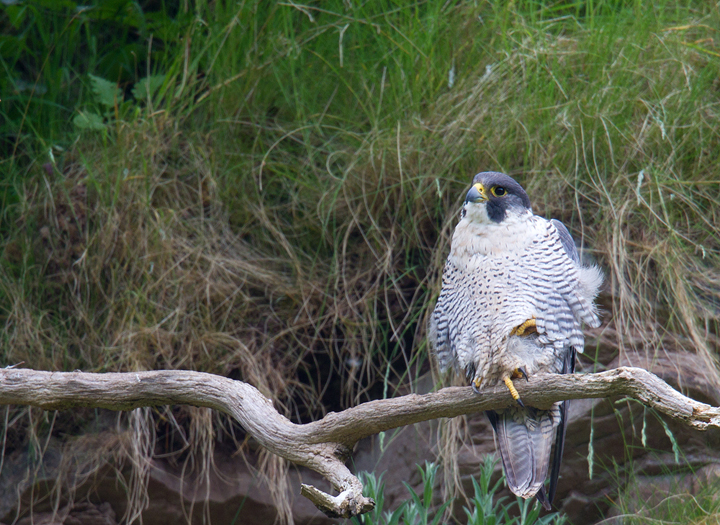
(513, 391)
(527, 328)
(520, 372)
(475, 384)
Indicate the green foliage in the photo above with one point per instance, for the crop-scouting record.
(674, 502)
(423, 509)
(485, 507)
(336, 140)
(417, 509)
(147, 87)
(48, 48)
(110, 104)
(106, 93)
(86, 120)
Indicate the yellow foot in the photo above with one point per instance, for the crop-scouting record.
(513, 391)
(527, 328)
(518, 373)
(476, 384)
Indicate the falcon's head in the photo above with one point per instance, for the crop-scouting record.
(494, 197)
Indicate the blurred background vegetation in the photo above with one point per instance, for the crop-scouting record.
(266, 190)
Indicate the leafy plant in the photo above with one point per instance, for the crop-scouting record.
(110, 103)
(485, 507)
(47, 49)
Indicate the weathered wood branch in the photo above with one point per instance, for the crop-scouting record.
(324, 445)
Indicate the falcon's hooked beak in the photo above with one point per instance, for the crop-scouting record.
(476, 194)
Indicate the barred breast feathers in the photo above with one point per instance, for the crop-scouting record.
(548, 282)
(497, 276)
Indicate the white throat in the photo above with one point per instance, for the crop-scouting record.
(476, 234)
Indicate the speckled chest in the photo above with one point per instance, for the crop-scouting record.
(493, 260)
(489, 277)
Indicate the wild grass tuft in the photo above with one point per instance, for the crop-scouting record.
(672, 498)
(485, 508)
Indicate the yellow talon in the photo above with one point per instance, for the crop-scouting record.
(518, 373)
(513, 391)
(527, 328)
(476, 384)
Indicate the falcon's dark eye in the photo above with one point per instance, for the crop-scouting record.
(498, 191)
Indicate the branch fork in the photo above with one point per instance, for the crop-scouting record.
(324, 445)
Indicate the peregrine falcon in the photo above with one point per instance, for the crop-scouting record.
(514, 297)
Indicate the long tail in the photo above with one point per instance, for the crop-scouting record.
(525, 438)
(568, 368)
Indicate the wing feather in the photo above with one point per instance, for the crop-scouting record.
(560, 298)
(568, 368)
(567, 241)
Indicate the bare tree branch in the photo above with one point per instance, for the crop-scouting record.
(325, 445)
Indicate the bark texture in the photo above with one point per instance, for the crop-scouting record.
(324, 445)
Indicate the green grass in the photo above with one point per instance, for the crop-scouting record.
(279, 209)
(685, 497)
(485, 508)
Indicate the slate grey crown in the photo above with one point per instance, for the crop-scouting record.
(499, 192)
